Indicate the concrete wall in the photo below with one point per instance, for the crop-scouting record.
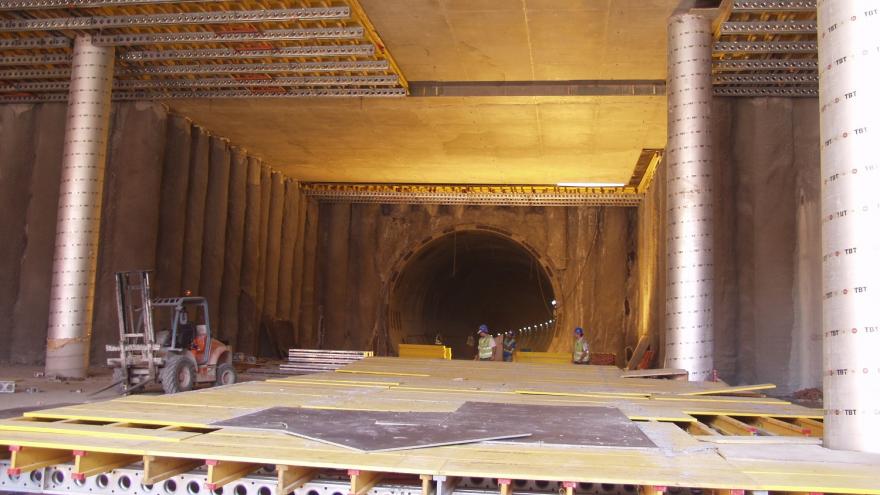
(176, 200)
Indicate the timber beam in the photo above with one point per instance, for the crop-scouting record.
(27, 459)
(158, 469)
(363, 481)
(87, 464)
(290, 478)
(223, 472)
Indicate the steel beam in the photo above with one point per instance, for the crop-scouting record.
(14, 74)
(349, 32)
(538, 88)
(212, 82)
(334, 66)
(82, 4)
(173, 19)
(768, 27)
(689, 216)
(810, 79)
(79, 210)
(765, 47)
(36, 42)
(806, 92)
(365, 50)
(44, 59)
(220, 93)
(788, 64)
(761, 6)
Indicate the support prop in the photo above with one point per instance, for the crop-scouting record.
(504, 486)
(568, 486)
(427, 484)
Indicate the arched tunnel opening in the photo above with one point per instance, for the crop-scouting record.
(466, 278)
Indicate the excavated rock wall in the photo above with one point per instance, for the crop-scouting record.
(767, 243)
(590, 253)
(176, 199)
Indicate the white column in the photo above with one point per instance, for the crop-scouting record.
(689, 261)
(79, 210)
(849, 99)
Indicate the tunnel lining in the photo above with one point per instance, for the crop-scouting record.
(545, 269)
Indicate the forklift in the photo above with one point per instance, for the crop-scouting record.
(180, 356)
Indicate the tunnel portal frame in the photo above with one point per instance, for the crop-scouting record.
(411, 251)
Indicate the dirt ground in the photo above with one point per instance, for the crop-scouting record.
(35, 391)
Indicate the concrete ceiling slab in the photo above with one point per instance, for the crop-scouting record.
(508, 40)
(502, 140)
(497, 140)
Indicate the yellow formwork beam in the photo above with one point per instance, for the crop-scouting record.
(158, 469)
(27, 459)
(223, 472)
(87, 464)
(291, 477)
(363, 481)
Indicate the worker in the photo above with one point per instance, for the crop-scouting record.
(581, 352)
(486, 344)
(508, 346)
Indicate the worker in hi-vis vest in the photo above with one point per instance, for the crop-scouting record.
(581, 352)
(486, 344)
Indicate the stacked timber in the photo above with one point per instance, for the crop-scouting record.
(305, 361)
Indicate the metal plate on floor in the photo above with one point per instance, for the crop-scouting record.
(564, 425)
(372, 431)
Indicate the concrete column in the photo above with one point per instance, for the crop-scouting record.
(849, 100)
(689, 263)
(79, 209)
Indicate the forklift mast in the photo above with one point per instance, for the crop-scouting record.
(138, 349)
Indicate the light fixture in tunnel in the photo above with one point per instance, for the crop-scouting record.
(590, 184)
(553, 303)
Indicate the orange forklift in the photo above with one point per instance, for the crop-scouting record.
(179, 357)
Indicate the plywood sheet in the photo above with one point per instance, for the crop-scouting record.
(370, 431)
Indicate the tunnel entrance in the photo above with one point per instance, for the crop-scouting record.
(454, 283)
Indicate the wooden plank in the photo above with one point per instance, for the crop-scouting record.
(817, 428)
(641, 347)
(223, 472)
(734, 390)
(107, 431)
(778, 427)
(87, 464)
(26, 459)
(158, 469)
(698, 428)
(731, 426)
(428, 486)
(363, 481)
(292, 477)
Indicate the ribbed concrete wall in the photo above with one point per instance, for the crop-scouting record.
(177, 200)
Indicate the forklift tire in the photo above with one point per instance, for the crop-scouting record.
(178, 375)
(225, 374)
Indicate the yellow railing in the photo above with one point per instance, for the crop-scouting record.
(424, 351)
